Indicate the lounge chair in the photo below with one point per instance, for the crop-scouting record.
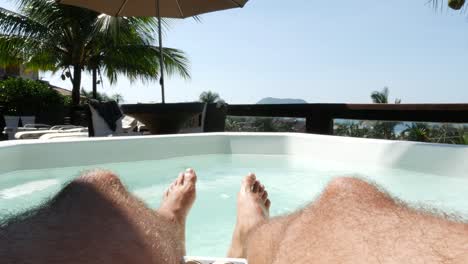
(100, 127)
(28, 120)
(129, 124)
(124, 126)
(37, 133)
(36, 126)
(67, 134)
(11, 126)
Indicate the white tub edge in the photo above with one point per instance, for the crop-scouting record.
(441, 159)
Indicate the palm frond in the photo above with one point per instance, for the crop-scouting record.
(142, 62)
(32, 53)
(175, 62)
(380, 97)
(441, 5)
(128, 29)
(437, 4)
(209, 97)
(15, 24)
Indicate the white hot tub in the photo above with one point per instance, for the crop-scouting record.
(294, 167)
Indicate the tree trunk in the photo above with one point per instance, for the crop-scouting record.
(76, 85)
(94, 83)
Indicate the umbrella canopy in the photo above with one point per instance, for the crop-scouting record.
(158, 8)
(147, 8)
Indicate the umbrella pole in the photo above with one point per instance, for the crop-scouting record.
(161, 58)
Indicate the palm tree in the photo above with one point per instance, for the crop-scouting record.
(384, 129)
(102, 96)
(47, 36)
(417, 132)
(210, 97)
(381, 97)
(352, 129)
(118, 98)
(454, 4)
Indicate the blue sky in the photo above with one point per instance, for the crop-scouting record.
(320, 51)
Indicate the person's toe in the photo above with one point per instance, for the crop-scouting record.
(268, 204)
(265, 196)
(190, 176)
(261, 189)
(256, 187)
(180, 179)
(248, 182)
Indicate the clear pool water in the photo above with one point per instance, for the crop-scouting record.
(292, 182)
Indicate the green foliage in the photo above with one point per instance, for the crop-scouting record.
(421, 132)
(45, 35)
(118, 98)
(233, 125)
(384, 130)
(464, 139)
(210, 97)
(382, 97)
(456, 4)
(103, 96)
(352, 129)
(448, 134)
(28, 97)
(453, 4)
(417, 132)
(261, 124)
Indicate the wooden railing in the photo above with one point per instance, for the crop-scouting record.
(319, 117)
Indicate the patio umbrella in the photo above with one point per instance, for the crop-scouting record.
(158, 8)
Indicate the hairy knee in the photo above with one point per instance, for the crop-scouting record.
(91, 187)
(347, 184)
(99, 179)
(357, 190)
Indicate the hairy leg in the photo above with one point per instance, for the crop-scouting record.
(354, 222)
(95, 220)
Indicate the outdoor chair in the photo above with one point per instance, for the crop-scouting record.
(36, 126)
(67, 134)
(37, 133)
(27, 120)
(106, 119)
(12, 122)
(11, 125)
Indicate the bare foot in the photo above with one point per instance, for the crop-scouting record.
(179, 197)
(253, 208)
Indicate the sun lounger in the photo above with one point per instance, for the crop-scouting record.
(125, 126)
(28, 120)
(66, 135)
(99, 127)
(35, 126)
(11, 126)
(129, 124)
(37, 133)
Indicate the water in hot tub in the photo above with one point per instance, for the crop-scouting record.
(292, 182)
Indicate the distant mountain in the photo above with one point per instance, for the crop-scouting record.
(271, 100)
